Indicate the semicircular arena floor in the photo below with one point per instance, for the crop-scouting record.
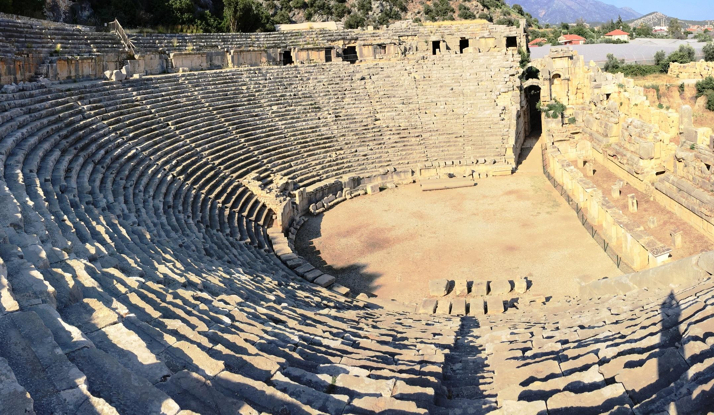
(392, 243)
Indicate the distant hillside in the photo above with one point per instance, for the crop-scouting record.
(569, 11)
(660, 19)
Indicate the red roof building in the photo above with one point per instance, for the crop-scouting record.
(537, 42)
(571, 40)
(618, 35)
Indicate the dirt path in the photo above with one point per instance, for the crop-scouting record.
(392, 243)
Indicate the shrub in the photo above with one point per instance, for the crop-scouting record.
(465, 13)
(660, 106)
(660, 57)
(525, 57)
(571, 120)
(354, 21)
(553, 110)
(708, 51)
(707, 84)
(246, 16)
(681, 88)
(613, 64)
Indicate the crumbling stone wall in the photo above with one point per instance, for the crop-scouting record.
(656, 150)
(692, 70)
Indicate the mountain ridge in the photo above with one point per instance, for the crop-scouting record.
(569, 11)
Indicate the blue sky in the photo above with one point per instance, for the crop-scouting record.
(683, 9)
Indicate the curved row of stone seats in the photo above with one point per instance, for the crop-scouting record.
(647, 351)
(30, 36)
(314, 38)
(117, 299)
(299, 122)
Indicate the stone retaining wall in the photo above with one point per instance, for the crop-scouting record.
(693, 70)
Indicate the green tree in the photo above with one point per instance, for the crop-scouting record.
(465, 13)
(246, 16)
(613, 64)
(675, 28)
(660, 58)
(643, 31)
(354, 21)
(708, 51)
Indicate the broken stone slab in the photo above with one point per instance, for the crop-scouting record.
(438, 288)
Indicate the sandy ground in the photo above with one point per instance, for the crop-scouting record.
(392, 243)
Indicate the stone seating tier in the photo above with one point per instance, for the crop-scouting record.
(136, 274)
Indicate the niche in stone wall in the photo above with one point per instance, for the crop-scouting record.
(463, 44)
(435, 47)
(349, 54)
(511, 42)
(287, 57)
(328, 55)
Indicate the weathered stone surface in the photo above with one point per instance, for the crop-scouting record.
(438, 288)
(195, 393)
(479, 288)
(500, 287)
(371, 405)
(185, 355)
(519, 408)
(596, 402)
(458, 307)
(361, 386)
(14, 399)
(427, 306)
(121, 388)
(494, 305)
(461, 287)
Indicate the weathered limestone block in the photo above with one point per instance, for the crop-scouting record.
(479, 288)
(632, 203)
(476, 307)
(458, 307)
(443, 307)
(461, 287)
(500, 287)
(494, 305)
(427, 306)
(439, 288)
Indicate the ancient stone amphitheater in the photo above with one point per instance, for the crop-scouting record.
(149, 207)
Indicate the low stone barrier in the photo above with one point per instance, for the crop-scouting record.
(693, 70)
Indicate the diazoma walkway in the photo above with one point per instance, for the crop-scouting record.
(148, 225)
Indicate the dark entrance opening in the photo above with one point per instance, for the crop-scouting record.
(511, 42)
(534, 115)
(287, 57)
(328, 55)
(435, 46)
(463, 44)
(350, 54)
